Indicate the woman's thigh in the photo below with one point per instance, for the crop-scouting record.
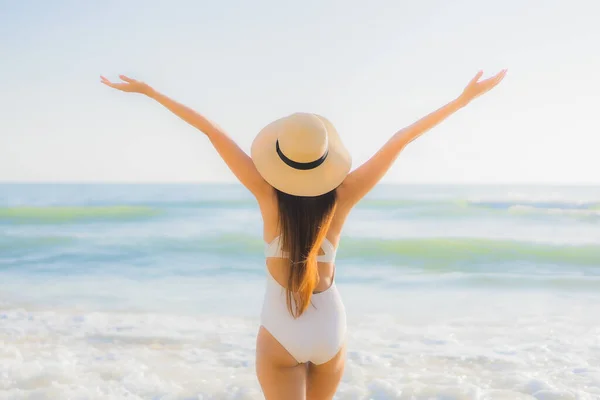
(279, 374)
(322, 380)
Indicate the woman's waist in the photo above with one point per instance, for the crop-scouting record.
(327, 301)
(281, 273)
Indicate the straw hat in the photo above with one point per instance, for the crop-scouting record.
(301, 155)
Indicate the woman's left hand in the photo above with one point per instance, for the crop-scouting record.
(476, 88)
(128, 85)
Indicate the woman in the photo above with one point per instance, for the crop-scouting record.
(299, 172)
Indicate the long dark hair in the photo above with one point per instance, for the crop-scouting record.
(303, 223)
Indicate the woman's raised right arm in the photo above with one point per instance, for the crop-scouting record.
(236, 159)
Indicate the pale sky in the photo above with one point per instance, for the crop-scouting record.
(370, 67)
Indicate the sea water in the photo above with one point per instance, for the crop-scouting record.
(137, 291)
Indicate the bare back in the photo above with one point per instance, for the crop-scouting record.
(279, 268)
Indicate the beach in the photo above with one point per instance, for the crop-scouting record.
(153, 291)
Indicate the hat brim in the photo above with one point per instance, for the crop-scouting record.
(307, 183)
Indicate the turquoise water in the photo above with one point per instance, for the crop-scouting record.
(143, 275)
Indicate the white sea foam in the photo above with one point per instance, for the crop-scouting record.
(458, 346)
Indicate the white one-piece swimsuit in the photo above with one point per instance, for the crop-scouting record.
(319, 333)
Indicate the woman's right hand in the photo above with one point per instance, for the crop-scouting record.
(128, 85)
(476, 88)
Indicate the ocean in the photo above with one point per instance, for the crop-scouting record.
(153, 291)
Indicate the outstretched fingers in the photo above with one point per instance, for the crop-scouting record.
(500, 75)
(476, 88)
(124, 86)
(475, 78)
(127, 79)
(119, 86)
(105, 80)
(494, 80)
